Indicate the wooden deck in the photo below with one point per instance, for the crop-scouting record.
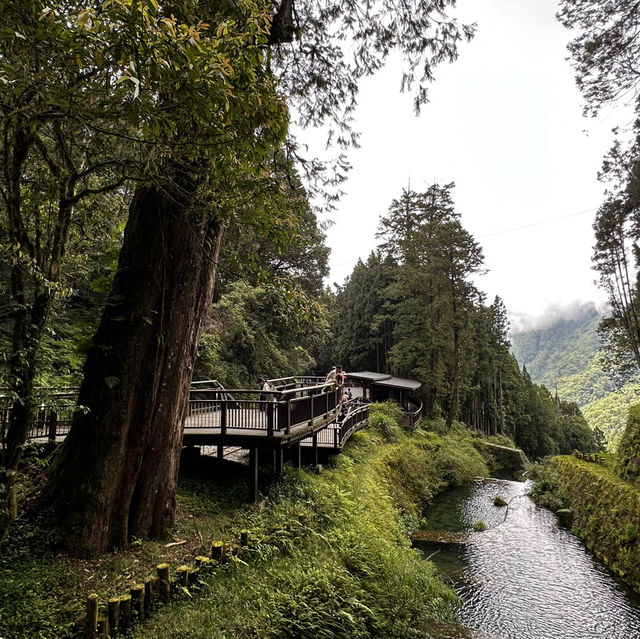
(301, 414)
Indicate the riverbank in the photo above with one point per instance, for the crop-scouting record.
(525, 575)
(328, 553)
(605, 514)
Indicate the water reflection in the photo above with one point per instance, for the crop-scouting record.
(526, 577)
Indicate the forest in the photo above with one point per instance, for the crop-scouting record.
(160, 223)
(567, 354)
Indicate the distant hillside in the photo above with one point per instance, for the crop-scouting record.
(564, 352)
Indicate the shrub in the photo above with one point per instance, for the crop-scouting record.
(628, 466)
(548, 489)
(385, 418)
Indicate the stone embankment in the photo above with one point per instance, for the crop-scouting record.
(605, 514)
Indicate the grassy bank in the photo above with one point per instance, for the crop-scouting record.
(329, 555)
(605, 511)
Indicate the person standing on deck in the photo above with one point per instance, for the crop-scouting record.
(331, 376)
(336, 376)
(266, 386)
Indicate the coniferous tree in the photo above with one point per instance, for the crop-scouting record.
(431, 293)
(605, 53)
(363, 334)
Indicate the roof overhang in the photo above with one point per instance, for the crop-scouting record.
(388, 381)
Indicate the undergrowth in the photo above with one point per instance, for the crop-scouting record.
(329, 555)
(549, 488)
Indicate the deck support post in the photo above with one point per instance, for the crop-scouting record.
(315, 448)
(220, 452)
(278, 461)
(253, 474)
(296, 451)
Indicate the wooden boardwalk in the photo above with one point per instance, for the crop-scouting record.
(302, 414)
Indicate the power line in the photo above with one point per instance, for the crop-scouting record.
(540, 223)
(503, 231)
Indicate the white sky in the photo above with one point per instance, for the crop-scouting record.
(505, 124)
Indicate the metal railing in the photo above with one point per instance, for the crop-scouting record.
(279, 411)
(337, 433)
(52, 418)
(412, 416)
(211, 406)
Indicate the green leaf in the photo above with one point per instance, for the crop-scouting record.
(111, 382)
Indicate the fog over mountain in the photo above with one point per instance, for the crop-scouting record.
(561, 349)
(577, 311)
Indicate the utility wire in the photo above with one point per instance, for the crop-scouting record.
(540, 223)
(503, 231)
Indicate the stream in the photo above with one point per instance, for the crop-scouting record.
(525, 577)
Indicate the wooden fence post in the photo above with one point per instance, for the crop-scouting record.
(125, 614)
(113, 611)
(194, 578)
(137, 602)
(103, 627)
(183, 576)
(164, 583)
(217, 551)
(150, 589)
(91, 622)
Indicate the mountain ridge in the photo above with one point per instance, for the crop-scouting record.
(565, 354)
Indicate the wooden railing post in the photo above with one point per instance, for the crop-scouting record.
(91, 622)
(311, 414)
(271, 408)
(53, 425)
(223, 416)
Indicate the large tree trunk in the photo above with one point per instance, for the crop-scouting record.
(116, 474)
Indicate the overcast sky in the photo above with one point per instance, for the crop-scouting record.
(505, 124)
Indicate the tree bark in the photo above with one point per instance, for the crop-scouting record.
(115, 477)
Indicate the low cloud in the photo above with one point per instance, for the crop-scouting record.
(554, 313)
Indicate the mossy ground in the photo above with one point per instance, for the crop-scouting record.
(605, 510)
(329, 554)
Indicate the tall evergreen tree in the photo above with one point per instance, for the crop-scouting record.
(432, 294)
(605, 53)
(362, 335)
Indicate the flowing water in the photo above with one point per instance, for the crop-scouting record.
(526, 577)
